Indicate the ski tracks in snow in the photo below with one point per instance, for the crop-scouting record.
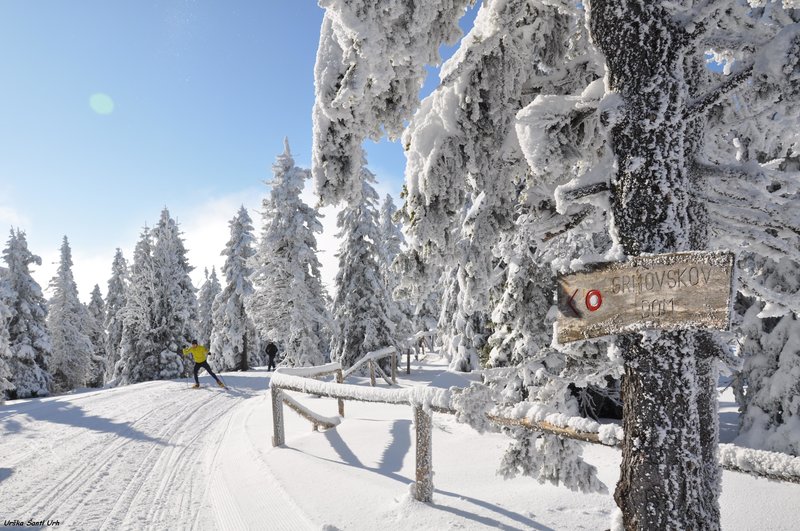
(149, 456)
(245, 493)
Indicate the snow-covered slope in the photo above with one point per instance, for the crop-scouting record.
(158, 455)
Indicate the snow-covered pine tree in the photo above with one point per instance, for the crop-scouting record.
(93, 326)
(175, 299)
(5, 348)
(234, 341)
(29, 340)
(391, 245)
(205, 304)
(770, 400)
(161, 308)
(72, 351)
(138, 353)
(288, 305)
(66, 321)
(365, 314)
(115, 304)
(644, 126)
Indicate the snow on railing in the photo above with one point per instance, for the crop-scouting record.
(424, 400)
(371, 358)
(531, 416)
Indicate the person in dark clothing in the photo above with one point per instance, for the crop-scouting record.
(272, 351)
(199, 354)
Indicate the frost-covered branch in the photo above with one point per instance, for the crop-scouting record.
(715, 94)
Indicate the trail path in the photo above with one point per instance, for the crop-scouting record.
(157, 455)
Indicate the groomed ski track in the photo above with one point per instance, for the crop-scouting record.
(161, 456)
(171, 458)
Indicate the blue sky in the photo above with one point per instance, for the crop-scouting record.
(203, 93)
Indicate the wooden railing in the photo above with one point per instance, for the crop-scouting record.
(425, 401)
(371, 360)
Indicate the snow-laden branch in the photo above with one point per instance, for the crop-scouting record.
(788, 301)
(772, 465)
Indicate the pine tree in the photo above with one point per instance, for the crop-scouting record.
(116, 301)
(770, 401)
(205, 303)
(138, 352)
(234, 342)
(29, 339)
(5, 348)
(392, 242)
(161, 308)
(176, 302)
(72, 349)
(93, 327)
(365, 314)
(288, 305)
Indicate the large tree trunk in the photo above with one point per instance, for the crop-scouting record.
(669, 413)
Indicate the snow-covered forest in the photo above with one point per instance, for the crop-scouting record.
(560, 135)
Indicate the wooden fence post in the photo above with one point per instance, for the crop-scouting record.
(423, 489)
(278, 438)
(340, 379)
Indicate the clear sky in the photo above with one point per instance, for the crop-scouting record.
(111, 111)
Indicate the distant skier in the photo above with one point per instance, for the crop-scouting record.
(272, 351)
(199, 354)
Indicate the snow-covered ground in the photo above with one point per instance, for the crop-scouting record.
(159, 455)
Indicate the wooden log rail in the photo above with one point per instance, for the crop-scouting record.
(371, 359)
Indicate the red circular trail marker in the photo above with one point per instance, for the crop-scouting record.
(594, 299)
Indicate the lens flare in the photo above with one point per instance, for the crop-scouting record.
(101, 103)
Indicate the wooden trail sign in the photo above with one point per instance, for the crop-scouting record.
(666, 291)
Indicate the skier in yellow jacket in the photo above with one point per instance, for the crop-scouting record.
(199, 354)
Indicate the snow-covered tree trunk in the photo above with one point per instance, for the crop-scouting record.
(663, 483)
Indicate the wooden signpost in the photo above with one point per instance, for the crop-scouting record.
(666, 291)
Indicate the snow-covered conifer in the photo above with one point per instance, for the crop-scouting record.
(234, 342)
(771, 399)
(288, 305)
(138, 354)
(176, 302)
(365, 314)
(93, 326)
(205, 304)
(5, 348)
(391, 245)
(29, 340)
(115, 304)
(161, 307)
(71, 361)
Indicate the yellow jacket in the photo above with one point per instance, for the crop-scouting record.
(198, 352)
